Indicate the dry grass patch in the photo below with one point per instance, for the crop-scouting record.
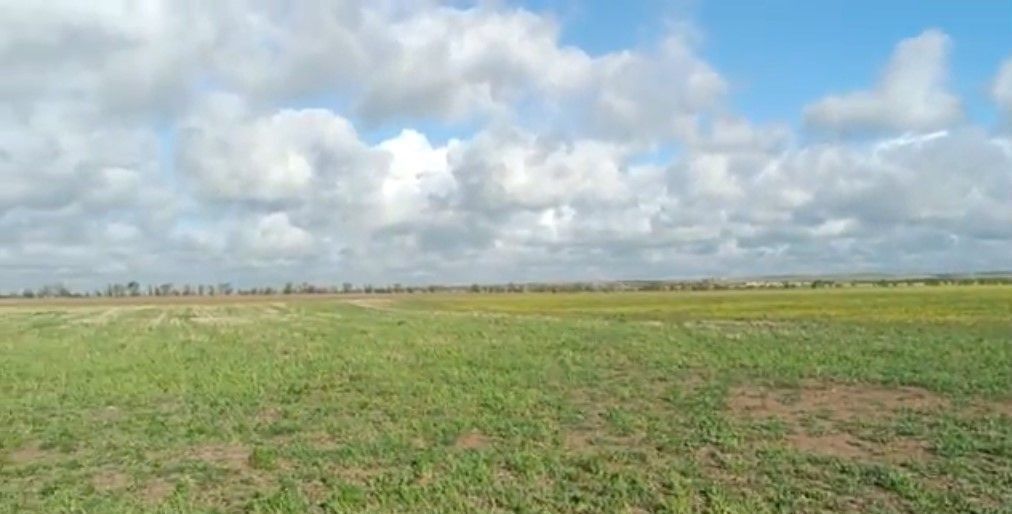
(156, 491)
(34, 453)
(219, 320)
(245, 474)
(317, 440)
(578, 441)
(110, 480)
(840, 405)
(231, 456)
(270, 415)
(315, 491)
(473, 440)
(380, 304)
(101, 317)
(834, 402)
(982, 408)
(835, 445)
(30, 454)
(899, 450)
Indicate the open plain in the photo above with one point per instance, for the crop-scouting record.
(852, 400)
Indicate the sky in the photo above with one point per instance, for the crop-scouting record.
(264, 141)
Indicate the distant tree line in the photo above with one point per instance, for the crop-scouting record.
(135, 289)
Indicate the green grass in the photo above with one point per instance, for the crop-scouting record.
(677, 402)
(973, 304)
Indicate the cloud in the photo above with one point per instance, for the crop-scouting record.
(910, 95)
(383, 142)
(454, 63)
(275, 236)
(512, 169)
(230, 154)
(52, 155)
(418, 176)
(463, 65)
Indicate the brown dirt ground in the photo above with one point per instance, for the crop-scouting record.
(472, 441)
(33, 453)
(839, 404)
(849, 447)
(270, 415)
(156, 491)
(836, 402)
(110, 480)
(232, 456)
(29, 454)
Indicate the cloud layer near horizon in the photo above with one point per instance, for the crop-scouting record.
(236, 141)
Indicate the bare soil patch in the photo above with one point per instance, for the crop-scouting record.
(30, 454)
(834, 402)
(835, 445)
(156, 491)
(472, 441)
(110, 480)
(270, 415)
(316, 492)
(578, 441)
(232, 456)
(1001, 407)
(839, 404)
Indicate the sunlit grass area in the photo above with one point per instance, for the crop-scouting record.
(860, 400)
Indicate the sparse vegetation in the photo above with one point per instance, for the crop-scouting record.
(801, 400)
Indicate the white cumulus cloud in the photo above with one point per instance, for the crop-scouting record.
(256, 142)
(910, 95)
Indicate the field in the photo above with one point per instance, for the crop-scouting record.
(853, 400)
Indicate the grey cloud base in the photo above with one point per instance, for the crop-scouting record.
(136, 144)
